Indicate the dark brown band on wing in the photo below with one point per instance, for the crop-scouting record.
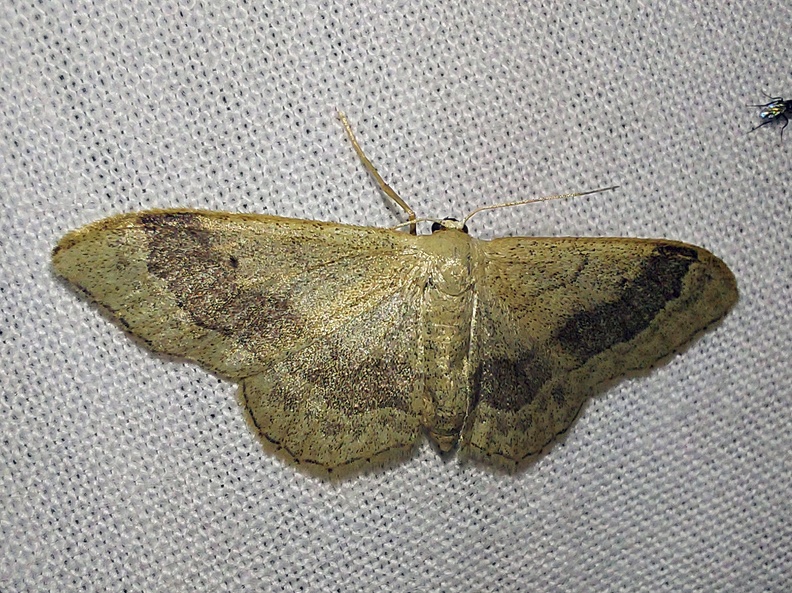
(589, 332)
(203, 278)
(509, 385)
(356, 385)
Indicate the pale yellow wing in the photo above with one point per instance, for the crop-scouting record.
(317, 321)
(558, 317)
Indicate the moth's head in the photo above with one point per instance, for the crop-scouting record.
(449, 224)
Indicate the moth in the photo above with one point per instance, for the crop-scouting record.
(348, 342)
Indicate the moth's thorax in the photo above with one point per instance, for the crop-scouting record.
(448, 301)
(453, 256)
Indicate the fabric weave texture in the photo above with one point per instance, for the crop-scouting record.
(127, 471)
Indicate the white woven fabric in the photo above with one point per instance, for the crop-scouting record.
(126, 471)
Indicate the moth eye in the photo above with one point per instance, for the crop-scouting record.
(436, 226)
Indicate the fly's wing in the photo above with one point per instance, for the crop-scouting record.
(559, 316)
(317, 321)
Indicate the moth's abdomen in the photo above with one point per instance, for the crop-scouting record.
(446, 339)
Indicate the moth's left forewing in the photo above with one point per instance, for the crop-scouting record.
(556, 317)
(233, 292)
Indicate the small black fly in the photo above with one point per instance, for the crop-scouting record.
(777, 109)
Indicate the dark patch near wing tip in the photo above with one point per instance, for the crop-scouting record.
(509, 385)
(589, 332)
(153, 219)
(203, 279)
(677, 251)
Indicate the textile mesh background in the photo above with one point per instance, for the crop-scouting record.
(127, 471)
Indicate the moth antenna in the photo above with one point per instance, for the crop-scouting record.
(384, 187)
(535, 200)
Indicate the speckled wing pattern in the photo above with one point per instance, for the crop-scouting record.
(347, 341)
(559, 316)
(317, 321)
